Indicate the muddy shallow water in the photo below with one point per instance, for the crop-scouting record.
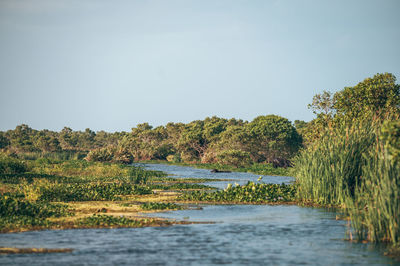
(242, 235)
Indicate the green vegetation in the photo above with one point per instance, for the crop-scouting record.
(351, 159)
(179, 186)
(267, 139)
(30, 196)
(101, 220)
(249, 193)
(160, 206)
(348, 157)
(16, 212)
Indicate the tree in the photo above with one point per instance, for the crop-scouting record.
(372, 97)
(68, 139)
(21, 138)
(236, 158)
(274, 137)
(46, 142)
(323, 103)
(192, 143)
(4, 142)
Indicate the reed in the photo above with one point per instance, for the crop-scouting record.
(329, 170)
(357, 168)
(375, 209)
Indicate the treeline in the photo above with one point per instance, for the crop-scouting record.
(266, 139)
(352, 157)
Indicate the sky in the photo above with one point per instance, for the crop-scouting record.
(110, 65)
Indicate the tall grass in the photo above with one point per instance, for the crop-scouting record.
(351, 166)
(375, 209)
(329, 170)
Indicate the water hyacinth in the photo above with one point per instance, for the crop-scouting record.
(250, 193)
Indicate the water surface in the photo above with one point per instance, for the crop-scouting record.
(242, 235)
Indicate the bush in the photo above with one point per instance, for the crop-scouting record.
(9, 165)
(100, 155)
(236, 158)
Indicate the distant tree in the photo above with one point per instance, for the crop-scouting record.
(68, 139)
(4, 142)
(21, 138)
(213, 127)
(299, 124)
(236, 158)
(46, 142)
(373, 96)
(192, 143)
(323, 103)
(275, 137)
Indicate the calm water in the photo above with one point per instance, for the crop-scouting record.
(240, 178)
(242, 235)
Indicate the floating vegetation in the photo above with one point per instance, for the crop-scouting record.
(160, 206)
(91, 192)
(8, 250)
(249, 193)
(179, 186)
(102, 220)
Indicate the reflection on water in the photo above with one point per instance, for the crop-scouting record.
(243, 235)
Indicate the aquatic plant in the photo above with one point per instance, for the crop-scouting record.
(160, 206)
(251, 193)
(329, 170)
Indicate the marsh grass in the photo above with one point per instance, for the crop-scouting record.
(329, 170)
(375, 209)
(351, 167)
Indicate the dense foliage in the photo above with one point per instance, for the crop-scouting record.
(212, 140)
(352, 156)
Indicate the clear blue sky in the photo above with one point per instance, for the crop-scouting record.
(109, 65)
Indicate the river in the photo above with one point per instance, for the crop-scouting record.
(241, 235)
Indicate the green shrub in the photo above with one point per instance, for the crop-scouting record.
(9, 165)
(237, 158)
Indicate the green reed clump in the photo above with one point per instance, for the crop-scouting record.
(329, 170)
(138, 175)
(160, 206)
(251, 193)
(375, 209)
(357, 167)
